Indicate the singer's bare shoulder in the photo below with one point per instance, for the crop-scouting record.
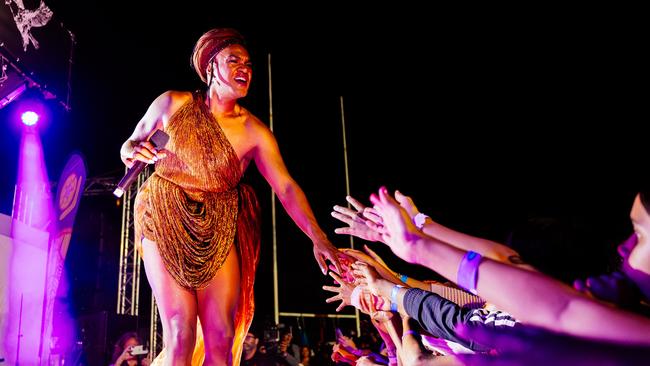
(168, 103)
(259, 130)
(158, 114)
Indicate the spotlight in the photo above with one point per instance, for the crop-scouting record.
(29, 118)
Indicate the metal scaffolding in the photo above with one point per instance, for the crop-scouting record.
(155, 331)
(128, 288)
(128, 291)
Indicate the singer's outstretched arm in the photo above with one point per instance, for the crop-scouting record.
(269, 162)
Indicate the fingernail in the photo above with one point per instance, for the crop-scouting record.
(383, 189)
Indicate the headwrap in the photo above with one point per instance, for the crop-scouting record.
(209, 45)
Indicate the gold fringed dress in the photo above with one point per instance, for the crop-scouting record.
(194, 208)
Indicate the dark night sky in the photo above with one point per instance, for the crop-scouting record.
(487, 117)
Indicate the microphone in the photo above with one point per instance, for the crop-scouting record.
(158, 140)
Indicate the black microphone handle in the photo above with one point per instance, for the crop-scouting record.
(129, 177)
(158, 139)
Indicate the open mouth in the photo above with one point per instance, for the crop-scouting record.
(241, 79)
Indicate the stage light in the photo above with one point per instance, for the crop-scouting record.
(29, 118)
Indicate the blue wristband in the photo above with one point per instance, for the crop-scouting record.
(468, 271)
(411, 332)
(403, 278)
(393, 297)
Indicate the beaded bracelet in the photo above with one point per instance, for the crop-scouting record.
(403, 277)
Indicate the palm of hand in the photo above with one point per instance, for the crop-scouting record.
(375, 261)
(400, 234)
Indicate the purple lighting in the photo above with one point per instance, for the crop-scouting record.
(29, 118)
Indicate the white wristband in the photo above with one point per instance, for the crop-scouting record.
(419, 220)
(355, 297)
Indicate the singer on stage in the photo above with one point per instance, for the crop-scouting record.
(196, 224)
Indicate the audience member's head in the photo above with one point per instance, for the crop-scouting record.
(252, 340)
(126, 341)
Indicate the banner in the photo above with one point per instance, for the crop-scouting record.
(68, 196)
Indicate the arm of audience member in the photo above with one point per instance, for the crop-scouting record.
(436, 315)
(487, 248)
(459, 296)
(526, 345)
(530, 296)
(348, 344)
(413, 351)
(375, 260)
(385, 321)
(341, 355)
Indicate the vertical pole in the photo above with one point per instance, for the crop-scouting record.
(276, 306)
(347, 192)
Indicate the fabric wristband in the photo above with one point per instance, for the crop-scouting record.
(411, 332)
(467, 276)
(419, 220)
(393, 297)
(355, 297)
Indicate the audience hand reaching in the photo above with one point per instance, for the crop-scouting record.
(400, 232)
(357, 223)
(343, 292)
(373, 260)
(341, 355)
(614, 287)
(407, 203)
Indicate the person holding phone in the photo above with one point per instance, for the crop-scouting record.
(129, 351)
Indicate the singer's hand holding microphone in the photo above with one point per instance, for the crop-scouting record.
(145, 152)
(142, 153)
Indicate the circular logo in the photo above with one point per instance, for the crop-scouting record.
(68, 191)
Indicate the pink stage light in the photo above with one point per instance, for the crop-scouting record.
(29, 118)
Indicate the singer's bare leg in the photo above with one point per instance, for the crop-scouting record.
(177, 306)
(217, 306)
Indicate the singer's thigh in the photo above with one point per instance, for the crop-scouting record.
(176, 304)
(217, 307)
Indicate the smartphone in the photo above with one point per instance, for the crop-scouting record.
(139, 350)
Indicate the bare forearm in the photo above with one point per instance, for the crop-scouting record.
(487, 248)
(295, 202)
(536, 298)
(514, 296)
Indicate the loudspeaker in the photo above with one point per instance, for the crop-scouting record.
(98, 333)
